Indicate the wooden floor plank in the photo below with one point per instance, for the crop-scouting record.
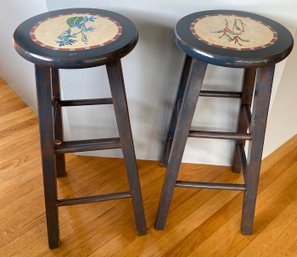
(201, 233)
(271, 201)
(281, 225)
(191, 204)
(200, 222)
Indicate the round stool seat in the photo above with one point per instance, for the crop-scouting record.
(233, 38)
(75, 38)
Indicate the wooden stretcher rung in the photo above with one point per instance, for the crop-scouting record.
(220, 135)
(206, 185)
(224, 94)
(94, 101)
(88, 145)
(93, 199)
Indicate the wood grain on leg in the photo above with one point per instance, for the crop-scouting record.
(46, 126)
(246, 100)
(117, 88)
(179, 97)
(187, 109)
(259, 118)
(58, 122)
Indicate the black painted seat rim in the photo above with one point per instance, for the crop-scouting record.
(90, 62)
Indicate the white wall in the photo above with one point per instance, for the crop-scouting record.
(152, 73)
(15, 70)
(282, 123)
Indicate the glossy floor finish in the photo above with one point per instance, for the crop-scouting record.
(200, 222)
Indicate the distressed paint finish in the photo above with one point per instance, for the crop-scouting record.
(182, 128)
(53, 146)
(259, 67)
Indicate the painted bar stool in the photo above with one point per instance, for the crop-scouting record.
(231, 39)
(70, 39)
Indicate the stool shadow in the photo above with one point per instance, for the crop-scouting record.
(161, 63)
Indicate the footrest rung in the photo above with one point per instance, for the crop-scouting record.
(79, 102)
(225, 94)
(221, 186)
(93, 199)
(88, 145)
(220, 135)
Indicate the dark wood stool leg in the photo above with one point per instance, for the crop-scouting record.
(185, 116)
(179, 97)
(259, 117)
(246, 100)
(60, 158)
(46, 126)
(117, 87)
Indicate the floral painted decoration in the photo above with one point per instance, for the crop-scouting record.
(77, 26)
(235, 34)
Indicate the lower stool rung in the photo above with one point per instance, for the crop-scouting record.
(88, 145)
(225, 94)
(93, 199)
(79, 102)
(221, 186)
(220, 135)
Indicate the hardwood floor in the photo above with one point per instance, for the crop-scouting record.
(200, 223)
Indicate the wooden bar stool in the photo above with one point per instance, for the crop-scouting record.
(71, 39)
(232, 39)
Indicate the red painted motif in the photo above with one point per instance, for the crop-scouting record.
(236, 34)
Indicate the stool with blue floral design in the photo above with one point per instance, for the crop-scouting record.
(75, 39)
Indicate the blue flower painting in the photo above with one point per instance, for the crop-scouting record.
(69, 37)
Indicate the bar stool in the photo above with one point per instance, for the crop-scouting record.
(231, 39)
(71, 39)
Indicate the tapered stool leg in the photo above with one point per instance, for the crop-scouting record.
(45, 114)
(117, 87)
(246, 100)
(60, 157)
(184, 120)
(259, 118)
(179, 97)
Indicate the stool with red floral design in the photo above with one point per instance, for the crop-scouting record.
(71, 39)
(232, 39)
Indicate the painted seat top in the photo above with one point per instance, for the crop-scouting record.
(75, 37)
(76, 32)
(233, 38)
